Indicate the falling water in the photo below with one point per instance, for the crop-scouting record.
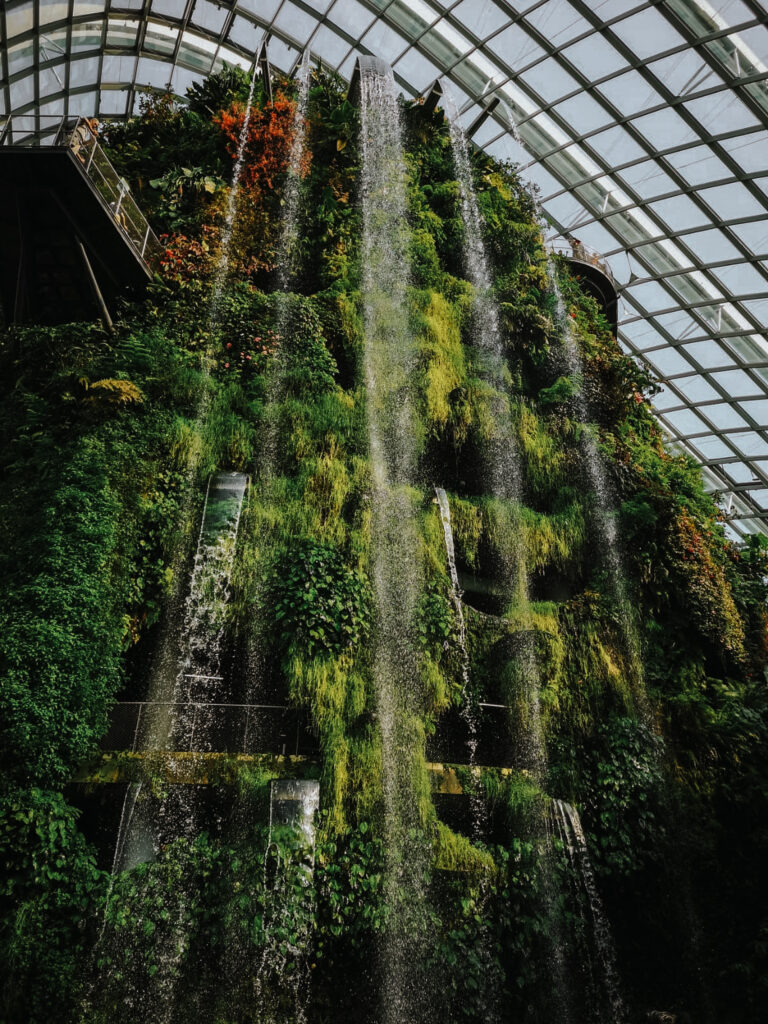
(189, 677)
(129, 802)
(445, 517)
(171, 719)
(177, 719)
(504, 475)
(468, 707)
(198, 678)
(290, 231)
(502, 463)
(501, 456)
(286, 269)
(610, 1007)
(288, 870)
(605, 522)
(234, 189)
(158, 729)
(389, 358)
(183, 683)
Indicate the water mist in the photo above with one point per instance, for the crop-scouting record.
(389, 359)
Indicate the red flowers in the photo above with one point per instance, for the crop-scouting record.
(261, 348)
(268, 145)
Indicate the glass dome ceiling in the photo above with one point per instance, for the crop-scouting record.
(644, 125)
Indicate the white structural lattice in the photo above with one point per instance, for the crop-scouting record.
(642, 123)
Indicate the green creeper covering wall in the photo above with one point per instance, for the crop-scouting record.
(98, 514)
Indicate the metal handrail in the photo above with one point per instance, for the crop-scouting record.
(140, 712)
(573, 249)
(32, 129)
(79, 135)
(197, 704)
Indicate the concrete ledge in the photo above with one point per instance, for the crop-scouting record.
(194, 769)
(204, 769)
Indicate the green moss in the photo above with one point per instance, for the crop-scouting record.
(442, 362)
(543, 453)
(467, 524)
(334, 692)
(561, 392)
(555, 541)
(453, 852)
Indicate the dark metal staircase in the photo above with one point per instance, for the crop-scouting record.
(72, 239)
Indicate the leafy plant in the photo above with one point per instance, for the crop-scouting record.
(320, 604)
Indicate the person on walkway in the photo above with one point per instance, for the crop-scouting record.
(84, 137)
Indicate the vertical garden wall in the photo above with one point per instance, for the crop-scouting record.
(595, 853)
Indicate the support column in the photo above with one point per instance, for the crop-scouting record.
(95, 288)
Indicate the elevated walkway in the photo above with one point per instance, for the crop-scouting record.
(274, 729)
(72, 238)
(595, 275)
(186, 768)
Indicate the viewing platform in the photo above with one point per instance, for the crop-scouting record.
(72, 238)
(200, 768)
(595, 275)
(250, 728)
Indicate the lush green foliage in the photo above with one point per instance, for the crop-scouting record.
(649, 705)
(321, 605)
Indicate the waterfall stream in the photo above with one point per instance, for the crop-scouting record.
(234, 190)
(288, 870)
(188, 675)
(179, 718)
(502, 464)
(504, 476)
(290, 233)
(469, 709)
(389, 358)
(177, 710)
(604, 519)
(199, 677)
(445, 518)
(285, 274)
(607, 1005)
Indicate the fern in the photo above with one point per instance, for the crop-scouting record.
(111, 391)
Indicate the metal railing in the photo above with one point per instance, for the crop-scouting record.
(573, 249)
(243, 728)
(80, 135)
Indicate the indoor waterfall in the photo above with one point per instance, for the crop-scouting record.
(290, 228)
(288, 870)
(179, 717)
(596, 949)
(234, 189)
(502, 467)
(389, 358)
(504, 476)
(603, 510)
(469, 709)
(286, 270)
(500, 456)
(300, 642)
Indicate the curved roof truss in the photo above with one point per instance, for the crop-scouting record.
(644, 124)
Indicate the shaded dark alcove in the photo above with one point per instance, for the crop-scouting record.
(102, 806)
(58, 228)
